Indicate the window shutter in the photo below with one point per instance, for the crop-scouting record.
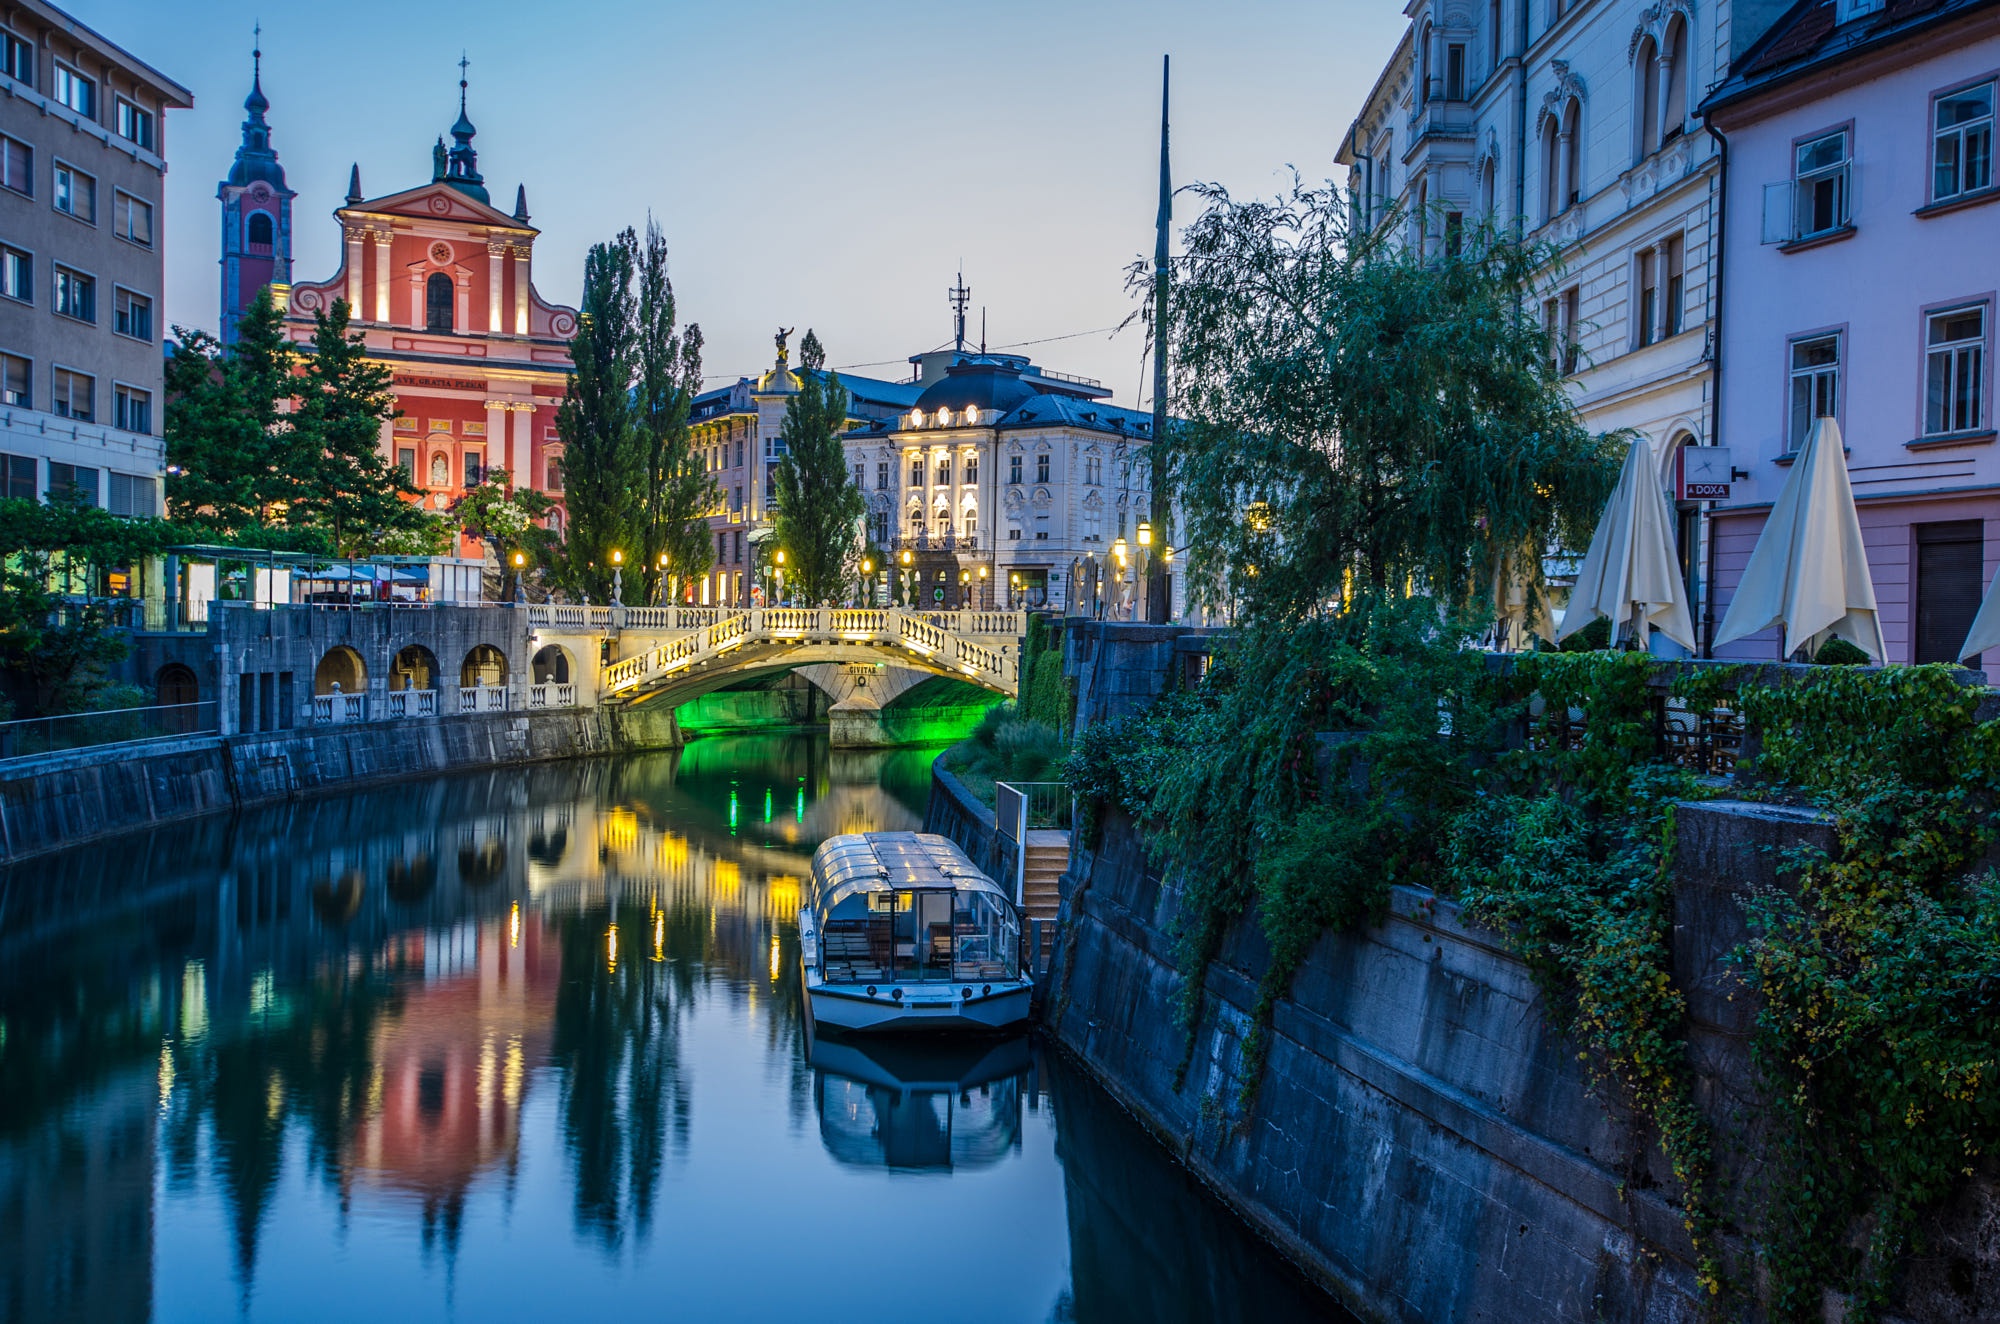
(1777, 212)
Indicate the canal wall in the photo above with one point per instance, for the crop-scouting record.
(1421, 1140)
(61, 799)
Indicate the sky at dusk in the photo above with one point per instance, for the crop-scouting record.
(812, 164)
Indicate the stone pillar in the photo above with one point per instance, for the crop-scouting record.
(356, 246)
(382, 239)
(521, 287)
(496, 430)
(496, 258)
(1565, 155)
(521, 455)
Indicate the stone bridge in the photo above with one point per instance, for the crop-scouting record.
(278, 667)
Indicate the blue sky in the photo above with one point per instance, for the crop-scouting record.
(826, 165)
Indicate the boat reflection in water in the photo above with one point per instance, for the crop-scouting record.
(920, 1105)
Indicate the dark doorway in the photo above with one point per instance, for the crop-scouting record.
(1950, 576)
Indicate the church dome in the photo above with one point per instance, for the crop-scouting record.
(977, 382)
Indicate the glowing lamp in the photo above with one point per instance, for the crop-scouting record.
(1145, 534)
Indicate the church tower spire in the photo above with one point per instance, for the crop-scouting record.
(256, 209)
(462, 162)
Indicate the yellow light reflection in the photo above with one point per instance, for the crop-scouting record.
(611, 948)
(774, 958)
(194, 1000)
(514, 926)
(659, 936)
(166, 1073)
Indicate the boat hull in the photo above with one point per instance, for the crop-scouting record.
(922, 1008)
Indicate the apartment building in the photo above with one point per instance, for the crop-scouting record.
(1862, 271)
(82, 175)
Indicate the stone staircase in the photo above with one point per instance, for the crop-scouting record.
(1047, 857)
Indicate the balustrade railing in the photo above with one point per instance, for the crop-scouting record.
(482, 698)
(340, 707)
(413, 703)
(552, 694)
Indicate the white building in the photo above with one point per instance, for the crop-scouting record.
(1574, 121)
(1863, 252)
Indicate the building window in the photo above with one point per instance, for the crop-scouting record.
(437, 302)
(1962, 152)
(552, 475)
(75, 91)
(739, 452)
(1559, 318)
(76, 193)
(1041, 468)
(1815, 373)
(17, 274)
(1649, 298)
(135, 124)
(972, 468)
(132, 219)
(881, 475)
(17, 58)
(1819, 183)
(475, 468)
(406, 460)
(17, 387)
(1551, 170)
(1454, 232)
(1673, 262)
(17, 166)
(74, 481)
(260, 237)
(1013, 468)
(1648, 94)
(17, 478)
(1573, 155)
(132, 409)
(944, 473)
(1674, 68)
(130, 495)
(76, 295)
(1454, 72)
(131, 314)
(1955, 370)
(917, 472)
(859, 470)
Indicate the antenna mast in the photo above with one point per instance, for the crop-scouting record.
(959, 296)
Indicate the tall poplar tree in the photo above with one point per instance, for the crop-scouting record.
(604, 455)
(818, 522)
(680, 493)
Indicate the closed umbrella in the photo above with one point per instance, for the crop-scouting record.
(1809, 571)
(1985, 632)
(1630, 574)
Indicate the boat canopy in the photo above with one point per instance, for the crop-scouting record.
(848, 868)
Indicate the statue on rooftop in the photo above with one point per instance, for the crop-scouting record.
(784, 334)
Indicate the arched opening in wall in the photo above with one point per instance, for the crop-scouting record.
(410, 881)
(1646, 91)
(176, 687)
(1551, 169)
(1424, 91)
(1674, 68)
(1572, 184)
(341, 671)
(550, 665)
(261, 234)
(437, 302)
(415, 668)
(481, 863)
(484, 665)
(1687, 519)
(1487, 174)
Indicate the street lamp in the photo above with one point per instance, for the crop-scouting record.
(520, 567)
(982, 585)
(866, 594)
(964, 588)
(909, 581)
(1013, 592)
(1118, 553)
(617, 578)
(781, 575)
(666, 592)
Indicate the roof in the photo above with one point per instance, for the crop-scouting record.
(1809, 38)
(858, 862)
(171, 92)
(1036, 409)
(735, 397)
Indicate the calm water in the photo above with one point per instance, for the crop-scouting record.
(527, 1045)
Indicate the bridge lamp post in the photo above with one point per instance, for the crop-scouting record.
(1013, 592)
(909, 580)
(982, 583)
(666, 589)
(964, 588)
(781, 575)
(617, 578)
(520, 576)
(866, 592)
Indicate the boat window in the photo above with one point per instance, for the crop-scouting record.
(987, 936)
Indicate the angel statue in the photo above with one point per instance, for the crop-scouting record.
(784, 334)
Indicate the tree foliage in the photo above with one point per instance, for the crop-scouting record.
(680, 493)
(1360, 420)
(818, 521)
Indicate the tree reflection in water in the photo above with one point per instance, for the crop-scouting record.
(403, 1008)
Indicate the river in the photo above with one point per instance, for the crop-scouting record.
(528, 1045)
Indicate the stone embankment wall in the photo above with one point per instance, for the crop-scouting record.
(1421, 1140)
(59, 800)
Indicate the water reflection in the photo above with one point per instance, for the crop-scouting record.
(526, 1041)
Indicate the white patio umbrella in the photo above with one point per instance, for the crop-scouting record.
(1630, 574)
(1985, 632)
(1809, 571)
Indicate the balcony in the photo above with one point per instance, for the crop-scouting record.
(943, 542)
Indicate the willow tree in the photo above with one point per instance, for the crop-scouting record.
(1361, 421)
(819, 508)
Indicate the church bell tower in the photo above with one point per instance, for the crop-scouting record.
(256, 213)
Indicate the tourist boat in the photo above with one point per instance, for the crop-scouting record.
(901, 932)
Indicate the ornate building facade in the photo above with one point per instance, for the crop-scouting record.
(256, 214)
(439, 283)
